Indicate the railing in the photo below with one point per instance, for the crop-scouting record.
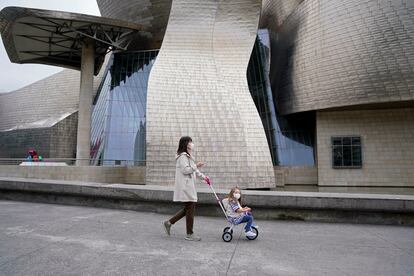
(218, 171)
(159, 169)
(72, 161)
(111, 162)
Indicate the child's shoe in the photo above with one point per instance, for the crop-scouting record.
(250, 234)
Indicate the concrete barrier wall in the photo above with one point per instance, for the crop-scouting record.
(327, 207)
(130, 175)
(136, 174)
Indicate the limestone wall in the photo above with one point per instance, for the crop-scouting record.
(387, 137)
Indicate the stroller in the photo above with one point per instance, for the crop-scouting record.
(228, 230)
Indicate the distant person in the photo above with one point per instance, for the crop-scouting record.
(186, 172)
(33, 156)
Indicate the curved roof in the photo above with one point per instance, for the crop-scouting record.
(153, 14)
(340, 54)
(56, 38)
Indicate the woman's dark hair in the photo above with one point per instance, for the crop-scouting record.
(182, 145)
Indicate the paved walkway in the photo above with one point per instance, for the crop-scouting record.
(45, 239)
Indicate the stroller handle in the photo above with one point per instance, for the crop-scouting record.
(210, 184)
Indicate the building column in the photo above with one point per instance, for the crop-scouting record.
(85, 103)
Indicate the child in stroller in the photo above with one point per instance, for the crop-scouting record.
(236, 214)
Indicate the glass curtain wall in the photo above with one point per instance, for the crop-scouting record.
(119, 114)
(290, 138)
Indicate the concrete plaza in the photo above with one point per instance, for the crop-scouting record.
(47, 239)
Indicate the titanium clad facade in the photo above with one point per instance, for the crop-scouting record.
(43, 116)
(336, 53)
(40, 100)
(275, 12)
(253, 82)
(49, 97)
(56, 141)
(153, 14)
(198, 87)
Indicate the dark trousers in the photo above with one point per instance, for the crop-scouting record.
(188, 212)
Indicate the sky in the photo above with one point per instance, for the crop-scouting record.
(14, 76)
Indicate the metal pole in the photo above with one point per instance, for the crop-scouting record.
(218, 200)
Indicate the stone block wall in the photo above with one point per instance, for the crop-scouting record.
(387, 147)
(100, 174)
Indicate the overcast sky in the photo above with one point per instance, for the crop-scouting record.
(14, 76)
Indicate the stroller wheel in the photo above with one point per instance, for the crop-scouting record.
(227, 236)
(226, 229)
(254, 230)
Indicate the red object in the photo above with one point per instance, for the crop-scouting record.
(33, 154)
(207, 180)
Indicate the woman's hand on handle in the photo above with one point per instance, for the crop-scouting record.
(199, 164)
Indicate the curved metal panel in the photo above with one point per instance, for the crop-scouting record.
(198, 87)
(330, 54)
(153, 14)
(56, 38)
(50, 97)
(275, 12)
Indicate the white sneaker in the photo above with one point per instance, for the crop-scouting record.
(192, 237)
(250, 234)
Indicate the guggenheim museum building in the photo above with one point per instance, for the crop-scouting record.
(273, 92)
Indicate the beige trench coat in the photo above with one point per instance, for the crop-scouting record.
(186, 173)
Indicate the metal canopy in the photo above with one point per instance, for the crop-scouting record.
(56, 38)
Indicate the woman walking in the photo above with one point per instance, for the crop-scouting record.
(186, 172)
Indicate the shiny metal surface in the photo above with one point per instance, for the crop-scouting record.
(56, 38)
(153, 14)
(43, 100)
(275, 12)
(330, 54)
(198, 87)
(324, 55)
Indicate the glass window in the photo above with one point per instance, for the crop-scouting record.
(118, 132)
(290, 139)
(346, 152)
